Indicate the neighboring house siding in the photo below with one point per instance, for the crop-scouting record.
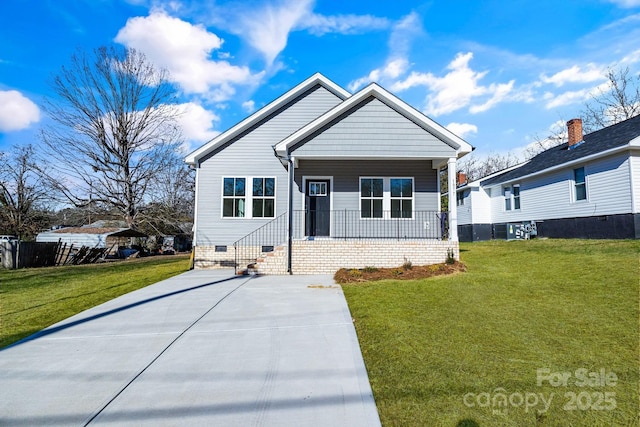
(251, 155)
(465, 214)
(373, 128)
(635, 181)
(550, 196)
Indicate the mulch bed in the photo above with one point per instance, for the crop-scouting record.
(407, 272)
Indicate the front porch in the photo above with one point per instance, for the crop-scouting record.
(296, 243)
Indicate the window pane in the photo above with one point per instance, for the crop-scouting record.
(240, 206)
(407, 209)
(377, 208)
(269, 187)
(228, 186)
(516, 202)
(579, 175)
(516, 191)
(395, 208)
(376, 186)
(258, 208)
(365, 208)
(239, 187)
(227, 209)
(258, 189)
(581, 192)
(269, 208)
(365, 187)
(396, 188)
(401, 187)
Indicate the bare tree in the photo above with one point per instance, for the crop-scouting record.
(23, 193)
(476, 168)
(172, 206)
(114, 129)
(618, 100)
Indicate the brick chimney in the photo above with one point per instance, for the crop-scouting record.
(462, 179)
(574, 126)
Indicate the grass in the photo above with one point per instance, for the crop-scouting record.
(559, 305)
(32, 299)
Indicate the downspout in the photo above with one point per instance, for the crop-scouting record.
(290, 219)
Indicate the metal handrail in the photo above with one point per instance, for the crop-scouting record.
(266, 238)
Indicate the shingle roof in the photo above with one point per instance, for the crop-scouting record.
(595, 142)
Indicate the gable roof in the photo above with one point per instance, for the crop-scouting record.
(247, 123)
(620, 136)
(374, 90)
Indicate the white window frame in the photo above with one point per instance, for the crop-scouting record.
(233, 197)
(509, 197)
(248, 198)
(575, 185)
(263, 197)
(386, 197)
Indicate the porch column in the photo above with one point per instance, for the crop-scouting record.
(453, 206)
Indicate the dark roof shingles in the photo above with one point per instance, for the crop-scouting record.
(594, 142)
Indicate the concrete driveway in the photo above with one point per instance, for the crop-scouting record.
(203, 348)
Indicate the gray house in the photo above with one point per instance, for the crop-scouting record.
(587, 188)
(321, 179)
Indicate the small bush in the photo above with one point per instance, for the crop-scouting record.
(355, 273)
(396, 272)
(451, 258)
(370, 269)
(407, 265)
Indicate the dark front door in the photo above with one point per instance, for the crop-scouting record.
(317, 208)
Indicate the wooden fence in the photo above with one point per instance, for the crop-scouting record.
(46, 254)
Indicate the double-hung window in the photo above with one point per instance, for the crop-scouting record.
(511, 197)
(371, 197)
(264, 197)
(580, 184)
(386, 197)
(401, 197)
(233, 198)
(248, 197)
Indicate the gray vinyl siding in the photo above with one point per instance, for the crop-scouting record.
(345, 175)
(373, 128)
(251, 155)
(551, 196)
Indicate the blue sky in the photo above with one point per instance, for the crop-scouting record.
(498, 73)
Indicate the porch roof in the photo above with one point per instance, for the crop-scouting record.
(449, 141)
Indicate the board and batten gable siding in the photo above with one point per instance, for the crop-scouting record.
(372, 128)
(251, 155)
(346, 180)
(550, 196)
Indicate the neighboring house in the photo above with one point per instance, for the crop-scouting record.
(586, 188)
(321, 179)
(91, 236)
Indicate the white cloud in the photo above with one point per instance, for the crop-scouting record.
(627, 4)
(17, 112)
(249, 106)
(342, 24)
(574, 74)
(266, 26)
(397, 64)
(463, 130)
(196, 122)
(566, 98)
(185, 51)
(457, 88)
(391, 70)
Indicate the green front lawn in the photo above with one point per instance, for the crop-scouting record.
(525, 317)
(32, 299)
